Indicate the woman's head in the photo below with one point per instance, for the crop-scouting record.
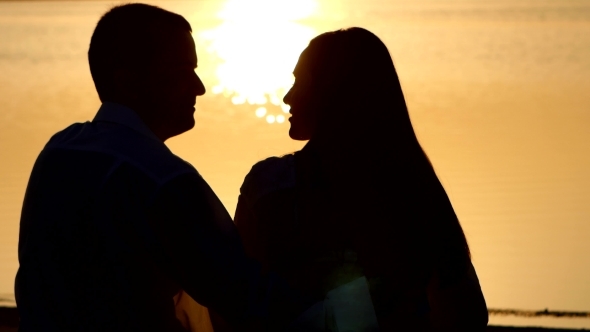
(345, 85)
(347, 95)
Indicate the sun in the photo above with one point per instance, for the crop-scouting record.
(258, 45)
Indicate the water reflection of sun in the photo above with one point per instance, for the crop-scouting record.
(258, 44)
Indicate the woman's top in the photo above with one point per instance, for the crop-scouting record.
(284, 222)
(296, 222)
(290, 216)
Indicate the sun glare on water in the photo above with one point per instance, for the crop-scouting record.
(258, 45)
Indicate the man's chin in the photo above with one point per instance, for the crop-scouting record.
(189, 124)
(183, 128)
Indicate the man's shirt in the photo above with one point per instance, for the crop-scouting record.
(114, 224)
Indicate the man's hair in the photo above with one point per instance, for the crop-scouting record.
(129, 36)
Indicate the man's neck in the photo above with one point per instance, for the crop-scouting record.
(148, 120)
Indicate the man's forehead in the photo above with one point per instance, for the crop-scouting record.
(179, 49)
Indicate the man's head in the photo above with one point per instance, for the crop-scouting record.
(144, 57)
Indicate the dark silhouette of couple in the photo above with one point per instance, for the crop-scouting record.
(352, 233)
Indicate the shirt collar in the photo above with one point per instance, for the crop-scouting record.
(123, 115)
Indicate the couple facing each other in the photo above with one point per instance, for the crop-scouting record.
(352, 233)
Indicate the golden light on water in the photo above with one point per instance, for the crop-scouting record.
(258, 45)
(260, 112)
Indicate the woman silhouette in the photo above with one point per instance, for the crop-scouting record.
(361, 198)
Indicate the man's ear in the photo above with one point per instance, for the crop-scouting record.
(126, 84)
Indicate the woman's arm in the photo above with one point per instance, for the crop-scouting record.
(247, 225)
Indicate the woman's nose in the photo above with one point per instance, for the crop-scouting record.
(287, 98)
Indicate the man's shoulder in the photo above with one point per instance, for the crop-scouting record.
(269, 175)
(127, 146)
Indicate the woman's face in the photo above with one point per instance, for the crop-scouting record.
(305, 101)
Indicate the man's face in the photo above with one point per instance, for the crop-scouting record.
(172, 86)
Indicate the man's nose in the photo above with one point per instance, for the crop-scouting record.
(198, 86)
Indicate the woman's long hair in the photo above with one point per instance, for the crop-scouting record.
(403, 224)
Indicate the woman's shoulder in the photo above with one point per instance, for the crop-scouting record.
(268, 175)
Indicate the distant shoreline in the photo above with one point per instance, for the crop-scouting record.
(539, 313)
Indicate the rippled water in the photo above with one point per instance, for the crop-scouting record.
(499, 93)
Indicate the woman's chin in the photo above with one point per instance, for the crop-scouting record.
(297, 134)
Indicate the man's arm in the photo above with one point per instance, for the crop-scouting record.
(202, 251)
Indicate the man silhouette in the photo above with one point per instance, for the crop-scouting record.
(113, 224)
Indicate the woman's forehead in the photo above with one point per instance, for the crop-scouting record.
(305, 64)
(321, 62)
